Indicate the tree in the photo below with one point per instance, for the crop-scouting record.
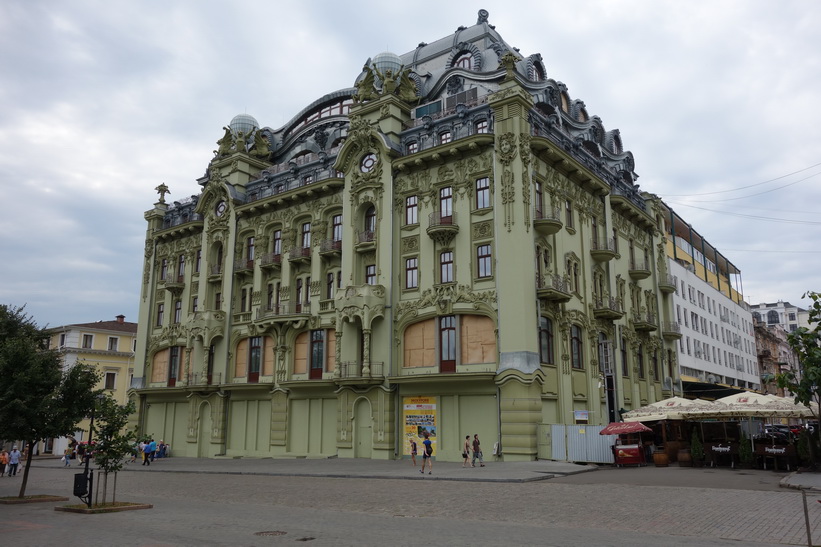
(38, 400)
(806, 385)
(112, 440)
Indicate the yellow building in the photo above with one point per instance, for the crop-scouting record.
(106, 345)
(453, 245)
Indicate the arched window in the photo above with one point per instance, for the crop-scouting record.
(464, 60)
(546, 340)
(772, 317)
(370, 219)
(576, 347)
(756, 316)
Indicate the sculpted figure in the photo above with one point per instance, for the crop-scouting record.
(260, 145)
(364, 88)
(225, 143)
(407, 87)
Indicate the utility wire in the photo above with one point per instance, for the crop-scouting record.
(760, 193)
(743, 187)
(754, 217)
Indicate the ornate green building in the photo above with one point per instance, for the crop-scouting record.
(452, 246)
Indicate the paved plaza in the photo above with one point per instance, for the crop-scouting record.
(250, 502)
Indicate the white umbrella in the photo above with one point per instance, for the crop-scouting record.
(673, 408)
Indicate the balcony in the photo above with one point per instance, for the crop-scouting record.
(668, 284)
(608, 308)
(639, 270)
(670, 330)
(547, 222)
(330, 247)
(285, 311)
(300, 255)
(174, 285)
(365, 241)
(215, 272)
(645, 322)
(352, 372)
(553, 288)
(602, 251)
(244, 266)
(442, 229)
(270, 261)
(200, 379)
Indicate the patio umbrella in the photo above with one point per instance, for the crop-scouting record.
(620, 428)
(742, 405)
(673, 408)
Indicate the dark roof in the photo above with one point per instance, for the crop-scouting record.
(104, 325)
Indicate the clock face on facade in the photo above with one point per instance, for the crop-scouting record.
(368, 163)
(220, 208)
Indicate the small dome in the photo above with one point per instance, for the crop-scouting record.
(387, 61)
(244, 123)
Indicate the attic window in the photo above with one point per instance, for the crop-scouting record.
(537, 74)
(464, 60)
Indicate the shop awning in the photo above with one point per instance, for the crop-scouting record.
(621, 428)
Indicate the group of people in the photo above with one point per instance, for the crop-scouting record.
(427, 452)
(9, 461)
(150, 450)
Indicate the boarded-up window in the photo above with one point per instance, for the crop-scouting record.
(241, 363)
(330, 355)
(478, 339)
(159, 368)
(301, 354)
(420, 344)
(268, 356)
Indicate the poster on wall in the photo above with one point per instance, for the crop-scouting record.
(419, 415)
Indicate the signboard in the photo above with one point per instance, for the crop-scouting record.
(419, 417)
(581, 416)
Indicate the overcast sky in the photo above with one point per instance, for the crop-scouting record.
(101, 101)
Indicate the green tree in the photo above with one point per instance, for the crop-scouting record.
(806, 383)
(38, 400)
(112, 441)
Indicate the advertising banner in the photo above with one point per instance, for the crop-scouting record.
(419, 417)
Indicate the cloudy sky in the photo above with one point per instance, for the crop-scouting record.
(101, 101)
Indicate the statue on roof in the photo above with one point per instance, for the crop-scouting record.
(225, 143)
(407, 86)
(365, 90)
(162, 189)
(389, 80)
(261, 146)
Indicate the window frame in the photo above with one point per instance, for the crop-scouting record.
(112, 385)
(546, 341)
(483, 193)
(255, 351)
(370, 274)
(446, 266)
(412, 273)
(316, 354)
(576, 348)
(484, 261)
(447, 344)
(412, 210)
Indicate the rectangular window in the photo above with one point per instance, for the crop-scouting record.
(336, 232)
(546, 340)
(446, 267)
(625, 368)
(576, 347)
(195, 301)
(277, 242)
(113, 343)
(198, 261)
(655, 366)
(160, 312)
(88, 340)
(568, 213)
(370, 274)
(616, 239)
(445, 137)
(481, 127)
(173, 365)
(317, 354)
(411, 273)
(62, 340)
(447, 344)
(306, 235)
(445, 203)
(181, 269)
(250, 249)
(218, 301)
(163, 269)
(299, 295)
(243, 299)
(411, 210)
(413, 147)
(594, 232)
(254, 358)
(539, 199)
(483, 193)
(329, 285)
(483, 261)
(640, 361)
(110, 380)
(177, 311)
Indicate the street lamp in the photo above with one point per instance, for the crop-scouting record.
(84, 482)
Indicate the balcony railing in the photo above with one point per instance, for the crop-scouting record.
(299, 253)
(201, 379)
(365, 236)
(283, 309)
(243, 265)
(438, 219)
(270, 260)
(353, 369)
(330, 246)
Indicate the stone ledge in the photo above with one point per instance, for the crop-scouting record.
(109, 508)
(31, 499)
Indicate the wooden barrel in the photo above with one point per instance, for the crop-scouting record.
(661, 459)
(684, 458)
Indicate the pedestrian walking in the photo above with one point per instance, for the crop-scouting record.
(466, 451)
(413, 451)
(477, 452)
(67, 457)
(4, 462)
(427, 454)
(153, 449)
(146, 453)
(14, 461)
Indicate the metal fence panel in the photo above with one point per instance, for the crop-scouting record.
(581, 443)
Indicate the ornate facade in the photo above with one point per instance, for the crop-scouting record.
(451, 246)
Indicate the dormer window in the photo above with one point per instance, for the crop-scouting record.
(464, 60)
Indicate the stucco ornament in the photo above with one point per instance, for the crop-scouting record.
(226, 143)
(365, 87)
(261, 146)
(162, 189)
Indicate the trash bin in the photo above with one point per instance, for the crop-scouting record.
(80, 484)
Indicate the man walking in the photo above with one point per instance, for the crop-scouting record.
(14, 461)
(477, 452)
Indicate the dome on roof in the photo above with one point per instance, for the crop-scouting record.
(244, 123)
(387, 61)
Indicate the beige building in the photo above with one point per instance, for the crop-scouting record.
(452, 246)
(108, 346)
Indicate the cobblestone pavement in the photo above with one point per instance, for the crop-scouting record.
(349, 502)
